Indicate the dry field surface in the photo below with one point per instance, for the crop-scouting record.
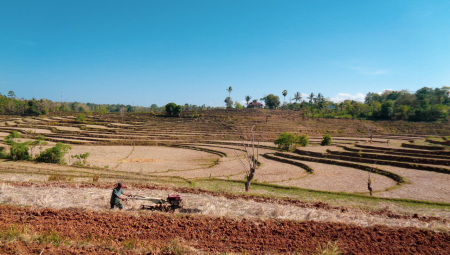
(174, 153)
(60, 196)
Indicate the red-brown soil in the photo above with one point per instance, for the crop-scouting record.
(218, 234)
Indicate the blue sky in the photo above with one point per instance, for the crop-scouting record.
(143, 52)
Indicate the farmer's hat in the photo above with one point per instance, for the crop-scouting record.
(120, 184)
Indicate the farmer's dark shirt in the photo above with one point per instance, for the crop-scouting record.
(115, 194)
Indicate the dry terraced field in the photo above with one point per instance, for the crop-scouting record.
(204, 153)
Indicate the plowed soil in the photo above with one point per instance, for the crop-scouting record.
(213, 235)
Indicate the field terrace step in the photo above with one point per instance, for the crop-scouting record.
(70, 141)
(399, 179)
(198, 148)
(393, 152)
(294, 162)
(445, 143)
(426, 147)
(409, 159)
(400, 137)
(374, 161)
(418, 151)
(77, 137)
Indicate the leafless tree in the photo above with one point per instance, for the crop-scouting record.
(122, 112)
(251, 156)
(369, 132)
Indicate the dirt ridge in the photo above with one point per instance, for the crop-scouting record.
(224, 234)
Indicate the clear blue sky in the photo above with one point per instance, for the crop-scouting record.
(143, 52)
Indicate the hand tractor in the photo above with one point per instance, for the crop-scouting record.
(172, 203)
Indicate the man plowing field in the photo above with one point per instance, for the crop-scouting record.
(172, 202)
(116, 196)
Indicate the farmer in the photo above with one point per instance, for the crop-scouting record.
(116, 196)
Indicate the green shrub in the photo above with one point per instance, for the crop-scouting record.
(19, 151)
(3, 153)
(54, 154)
(326, 140)
(303, 140)
(81, 159)
(13, 135)
(285, 141)
(81, 117)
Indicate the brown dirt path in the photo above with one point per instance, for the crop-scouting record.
(222, 234)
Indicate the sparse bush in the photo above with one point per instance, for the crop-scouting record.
(177, 248)
(59, 178)
(95, 178)
(331, 248)
(81, 159)
(13, 135)
(130, 244)
(38, 142)
(54, 154)
(326, 140)
(51, 237)
(13, 233)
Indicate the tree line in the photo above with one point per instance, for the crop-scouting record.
(11, 105)
(425, 104)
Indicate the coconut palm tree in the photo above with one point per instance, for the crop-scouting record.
(311, 100)
(320, 100)
(247, 98)
(229, 91)
(297, 97)
(284, 95)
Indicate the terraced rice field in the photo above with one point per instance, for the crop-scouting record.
(206, 153)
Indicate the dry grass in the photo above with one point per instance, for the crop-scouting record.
(330, 248)
(98, 199)
(63, 128)
(423, 185)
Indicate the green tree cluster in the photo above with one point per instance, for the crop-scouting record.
(22, 150)
(286, 141)
(426, 104)
(271, 101)
(54, 154)
(173, 109)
